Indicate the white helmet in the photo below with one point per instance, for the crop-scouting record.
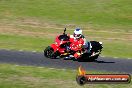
(78, 33)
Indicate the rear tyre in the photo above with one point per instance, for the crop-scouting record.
(86, 58)
(93, 58)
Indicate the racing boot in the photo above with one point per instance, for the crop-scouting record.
(77, 55)
(93, 54)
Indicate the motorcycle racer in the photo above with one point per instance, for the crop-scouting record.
(78, 42)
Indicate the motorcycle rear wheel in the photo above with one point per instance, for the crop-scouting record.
(86, 58)
(93, 58)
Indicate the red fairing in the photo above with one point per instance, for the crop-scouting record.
(75, 44)
(56, 45)
(59, 42)
(61, 50)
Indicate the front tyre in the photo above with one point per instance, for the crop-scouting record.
(48, 52)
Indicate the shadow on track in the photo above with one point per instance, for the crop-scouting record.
(96, 61)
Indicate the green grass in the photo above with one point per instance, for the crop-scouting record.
(23, 42)
(97, 14)
(117, 49)
(13, 76)
(33, 25)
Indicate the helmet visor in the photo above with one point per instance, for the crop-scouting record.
(77, 35)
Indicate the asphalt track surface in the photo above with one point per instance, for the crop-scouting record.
(38, 59)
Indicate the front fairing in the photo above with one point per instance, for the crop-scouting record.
(61, 39)
(60, 43)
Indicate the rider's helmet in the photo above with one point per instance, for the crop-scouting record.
(77, 33)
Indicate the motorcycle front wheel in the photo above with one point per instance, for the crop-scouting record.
(49, 53)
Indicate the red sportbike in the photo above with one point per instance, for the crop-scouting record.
(65, 47)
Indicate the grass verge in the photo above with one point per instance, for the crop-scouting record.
(14, 76)
(97, 14)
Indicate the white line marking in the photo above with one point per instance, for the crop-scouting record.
(7, 49)
(116, 57)
(51, 68)
(102, 56)
(34, 51)
(20, 50)
(63, 69)
(16, 65)
(40, 67)
(57, 69)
